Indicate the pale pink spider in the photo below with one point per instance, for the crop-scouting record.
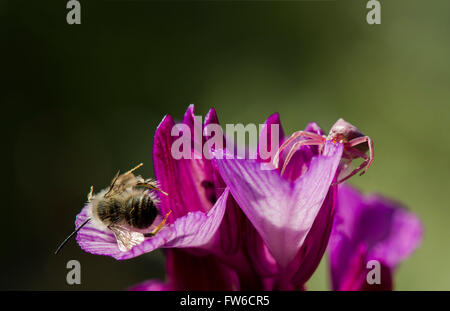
(356, 144)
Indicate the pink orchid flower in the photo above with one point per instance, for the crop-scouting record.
(369, 228)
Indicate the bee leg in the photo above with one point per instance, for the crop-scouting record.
(150, 186)
(90, 195)
(159, 227)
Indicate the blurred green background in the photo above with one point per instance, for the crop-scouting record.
(80, 102)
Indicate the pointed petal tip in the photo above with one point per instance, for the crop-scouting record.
(211, 117)
(273, 118)
(313, 127)
(189, 115)
(167, 119)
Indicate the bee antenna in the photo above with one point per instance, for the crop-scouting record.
(71, 235)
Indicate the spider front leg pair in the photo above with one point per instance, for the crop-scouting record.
(314, 139)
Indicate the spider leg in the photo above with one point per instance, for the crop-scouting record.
(293, 137)
(354, 172)
(349, 154)
(297, 146)
(361, 140)
(355, 153)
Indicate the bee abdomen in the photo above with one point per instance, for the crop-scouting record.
(109, 211)
(141, 211)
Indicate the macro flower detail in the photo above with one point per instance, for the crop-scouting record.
(369, 228)
(264, 223)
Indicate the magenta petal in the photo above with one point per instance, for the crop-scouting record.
(195, 229)
(282, 211)
(187, 271)
(241, 247)
(182, 179)
(265, 136)
(211, 117)
(398, 238)
(316, 242)
(384, 229)
(355, 276)
(152, 285)
(313, 127)
(302, 158)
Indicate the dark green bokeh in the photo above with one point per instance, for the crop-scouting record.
(80, 102)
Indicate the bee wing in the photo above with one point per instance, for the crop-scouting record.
(121, 183)
(113, 188)
(126, 238)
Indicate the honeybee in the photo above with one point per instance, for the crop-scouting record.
(126, 208)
